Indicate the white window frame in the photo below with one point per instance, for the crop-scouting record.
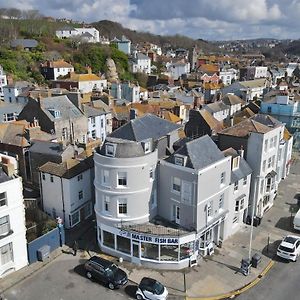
(245, 180)
(80, 195)
(222, 178)
(105, 177)
(123, 177)
(176, 182)
(106, 204)
(3, 251)
(178, 160)
(236, 186)
(122, 204)
(147, 148)
(221, 202)
(77, 220)
(3, 199)
(4, 225)
(209, 209)
(110, 150)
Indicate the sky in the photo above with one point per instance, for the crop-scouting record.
(204, 19)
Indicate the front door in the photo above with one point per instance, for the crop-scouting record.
(82, 214)
(135, 252)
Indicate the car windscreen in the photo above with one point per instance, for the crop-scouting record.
(286, 249)
(290, 239)
(111, 270)
(158, 288)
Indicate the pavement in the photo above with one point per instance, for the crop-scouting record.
(215, 277)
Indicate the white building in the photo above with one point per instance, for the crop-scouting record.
(99, 122)
(260, 137)
(12, 91)
(13, 244)
(51, 70)
(218, 110)
(290, 68)
(126, 90)
(66, 190)
(141, 63)
(228, 75)
(3, 82)
(90, 35)
(178, 69)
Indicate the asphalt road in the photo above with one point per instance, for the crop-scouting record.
(64, 279)
(281, 283)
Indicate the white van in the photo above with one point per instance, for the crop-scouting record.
(297, 220)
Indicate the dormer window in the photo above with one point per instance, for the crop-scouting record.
(179, 160)
(146, 146)
(110, 150)
(235, 163)
(54, 112)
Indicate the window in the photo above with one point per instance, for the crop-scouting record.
(147, 147)
(74, 218)
(176, 185)
(235, 162)
(122, 179)
(94, 134)
(9, 117)
(269, 109)
(64, 133)
(236, 186)
(43, 176)
(106, 203)
(242, 201)
(93, 120)
(235, 219)
(51, 178)
(178, 160)
(222, 179)
(123, 244)
(221, 201)
(105, 177)
(245, 181)
(110, 150)
(151, 174)
(79, 177)
(209, 209)
(3, 200)
(271, 142)
(266, 146)
(186, 192)
(108, 239)
(80, 195)
(6, 254)
(269, 162)
(4, 225)
(102, 123)
(122, 206)
(237, 205)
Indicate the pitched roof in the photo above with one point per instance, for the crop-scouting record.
(62, 104)
(253, 83)
(230, 99)
(286, 134)
(211, 120)
(91, 111)
(45, 147)
(57, 64)
(200, 153)
(216, 107)
(243, 128)
(13, 134)
(267, 120)
(171, 117)
(62, 170)
(83, 77)
(148, 126)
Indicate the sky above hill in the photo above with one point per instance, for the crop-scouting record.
(206, 19)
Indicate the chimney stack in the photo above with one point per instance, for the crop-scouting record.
(241, 151)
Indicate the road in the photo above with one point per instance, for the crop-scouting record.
(64, 279)
(282, 282)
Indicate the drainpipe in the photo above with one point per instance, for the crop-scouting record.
(63, 200)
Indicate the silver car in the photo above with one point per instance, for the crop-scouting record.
(151, 289)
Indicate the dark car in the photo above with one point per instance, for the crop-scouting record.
(105, 271)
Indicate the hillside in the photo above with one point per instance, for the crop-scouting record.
(113, 29)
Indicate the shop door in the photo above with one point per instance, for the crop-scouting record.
(135, 252)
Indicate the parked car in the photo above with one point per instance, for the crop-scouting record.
(296, 220)
(289, 248)
(151, 289)
(105, 271)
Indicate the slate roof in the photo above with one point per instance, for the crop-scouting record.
(148, 126)
(142, 56)
(4, 177)
(243, 128)
(26, 43)
(200, 153)
(45, 147)
(62, 104)
(212, 122)
(253, 83)
(20, 85)
(6, 108)
(216, 107)
(90, 111)
(61, 170)
(267, 120)
(242, 171)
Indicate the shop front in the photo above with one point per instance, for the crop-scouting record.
(157, 251)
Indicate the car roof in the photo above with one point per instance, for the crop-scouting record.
(101, 261)
(291, 239)
(147, 281)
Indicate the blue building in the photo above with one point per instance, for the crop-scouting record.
(284, 108)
